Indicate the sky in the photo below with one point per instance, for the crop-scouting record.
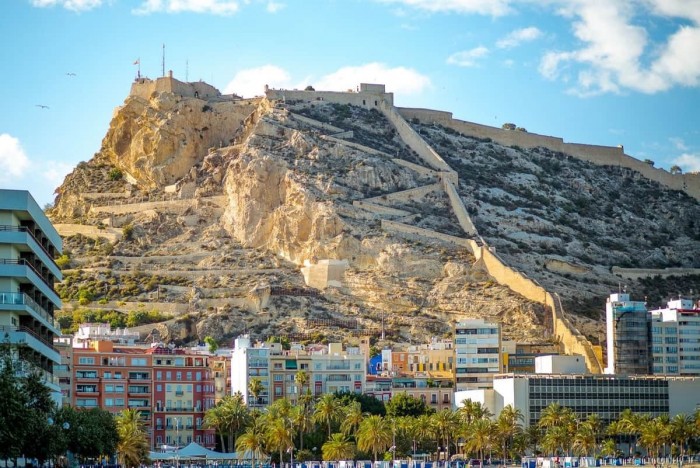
(603, 72)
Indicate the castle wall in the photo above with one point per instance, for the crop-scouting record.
(369, 96)
(596, 154)
(406, 195)
(636, 273)
(380, 209)
(422, 170)
(145, 87)
(573, 341)
(414, 141)
(412, 232)
(458, 208)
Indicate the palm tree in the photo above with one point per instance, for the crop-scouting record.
(133, 442)
(234, 415)
(301, 378)
(425, 431)
(328, 410)
(214, 419)
(560, 425)
(470, 411)
(556, 439)
(682, 429)
(608, 448)
(654, 434)
(630, 424)
(445, 424)
(255, 388)
(374, 435)
(279, 434)
(508, 426)
(301, 420)
(338, 447)
(253, 440)
(353, 418)
(585, 439)
(478, 437)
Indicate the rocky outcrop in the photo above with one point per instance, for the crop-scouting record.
(158, 141)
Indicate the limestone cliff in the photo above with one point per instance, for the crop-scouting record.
(206, 208)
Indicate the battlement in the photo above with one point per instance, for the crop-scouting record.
(145, 87)
(366, 95)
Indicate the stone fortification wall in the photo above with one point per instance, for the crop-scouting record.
(601, 155)
(380, 209)
(414, 141)
(412, 232)
(465, 221)
(170, 206)
(357, 146)
(367, 96)
(92, 232)
(636, 273)
(406, 195)
(315, 123)
(573, 341)
(145, 87)
(422, 170)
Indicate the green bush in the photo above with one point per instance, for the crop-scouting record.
(63, 261)
(115, 174)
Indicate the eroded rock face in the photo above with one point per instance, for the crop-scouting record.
(160, 140)
(269, 208)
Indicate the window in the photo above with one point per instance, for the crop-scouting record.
(189, 376)
(86, 360)
(159, 387)
(178, 376)
(138, 361)
(199, 376)
(168, 375)
(159, 375)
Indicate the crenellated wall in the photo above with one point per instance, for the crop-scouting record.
(601, 155)
(145, 87)
(367, 95)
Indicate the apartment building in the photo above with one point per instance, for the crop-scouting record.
(627, 336)
(28, 301)
(477, 345)
(328, 368)
(675, 338)
(170, 387)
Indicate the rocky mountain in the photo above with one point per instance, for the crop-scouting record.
(206, 207)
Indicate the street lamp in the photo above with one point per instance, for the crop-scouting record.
(392, 449)
(177, 442)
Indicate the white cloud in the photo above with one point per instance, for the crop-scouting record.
(679, 143)
(517, 37)
(400, 80)
(467, 58)
(689, 162)
(73, 5)
(482, 7)
(617, 54)
(251, 82)
(274, 7)
(215, 7)
(13, 161)
(54, 172)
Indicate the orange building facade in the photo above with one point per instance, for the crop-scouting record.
(170, 387)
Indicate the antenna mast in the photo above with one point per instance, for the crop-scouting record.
(163, 60)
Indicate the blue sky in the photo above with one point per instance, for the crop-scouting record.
(604, 72)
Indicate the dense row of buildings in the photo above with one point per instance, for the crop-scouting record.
(653, 357)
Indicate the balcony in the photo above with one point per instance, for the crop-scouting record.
(139, 391)
(15, 234)
(179, 393)
(22, 268)
(28, 337)
(21, 299)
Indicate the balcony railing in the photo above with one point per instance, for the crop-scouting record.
(6, 227)
(25, 262)
(29, 331)
(18, 298)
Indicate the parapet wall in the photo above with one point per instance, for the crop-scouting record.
(636, 273)
(368, 96)
(596, 154)
(145, 87)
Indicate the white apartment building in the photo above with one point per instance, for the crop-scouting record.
(675, 339)
(477, 345)
(248, 363)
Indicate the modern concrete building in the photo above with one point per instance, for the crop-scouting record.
(627, 336)
(250, 362)
(28, 301)
(604, 395)
(675, 339)
(477, 345)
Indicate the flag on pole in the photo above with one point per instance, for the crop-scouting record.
(137, 62)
